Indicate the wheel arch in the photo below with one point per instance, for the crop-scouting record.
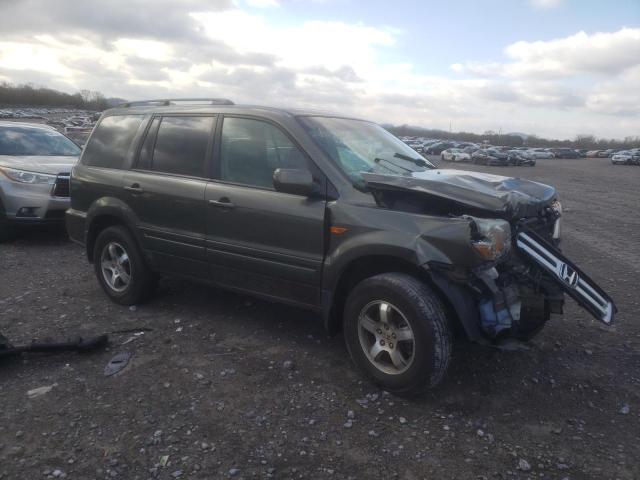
(105, 213)
(367, 266)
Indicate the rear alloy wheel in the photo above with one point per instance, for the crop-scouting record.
(397, 332)
(115, 266)
(120, 267)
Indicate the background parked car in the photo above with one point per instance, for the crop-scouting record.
(437, 148)
(35, 164)
(565, 153)
(455, 155)
(490, 156)
(541, 153)
(521, 157)
(626, 157)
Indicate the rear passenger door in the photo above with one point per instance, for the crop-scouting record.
(259, 239)
(166, 189)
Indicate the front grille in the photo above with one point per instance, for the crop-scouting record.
(61, 187)
(572, 280)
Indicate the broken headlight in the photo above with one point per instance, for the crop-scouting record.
(491, 238)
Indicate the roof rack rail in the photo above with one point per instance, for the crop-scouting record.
(165, 102)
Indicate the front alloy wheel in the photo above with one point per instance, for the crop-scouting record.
(386, 337)
(396, 330)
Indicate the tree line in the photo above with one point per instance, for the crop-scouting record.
(29, 95)
(589, 142)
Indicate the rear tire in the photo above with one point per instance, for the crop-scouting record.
(380, 315)
(120, 267)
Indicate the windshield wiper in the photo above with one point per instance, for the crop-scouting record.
(417, 161)
(378, 160)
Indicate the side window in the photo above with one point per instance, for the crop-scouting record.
(146, 152)
(110, 142)
(181, 145)
(252, 149)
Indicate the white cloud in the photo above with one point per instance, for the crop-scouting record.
(263, 3)
(599, 53)
(617, 96)
(546, 4)
(594, 77)
(332, 44)
(607, 53)
(580, 83)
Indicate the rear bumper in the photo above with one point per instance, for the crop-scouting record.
(75, 222)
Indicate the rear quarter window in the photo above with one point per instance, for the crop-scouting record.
(109, 144)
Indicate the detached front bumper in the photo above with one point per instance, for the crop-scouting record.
(519, 294)
(568, 276)
(515, 294)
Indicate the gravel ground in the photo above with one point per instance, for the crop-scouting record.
(221, 385)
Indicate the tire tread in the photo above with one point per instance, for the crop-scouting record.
(425, 300)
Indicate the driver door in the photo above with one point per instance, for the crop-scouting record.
(258, 239)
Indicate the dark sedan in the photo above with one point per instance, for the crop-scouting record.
(490, 157)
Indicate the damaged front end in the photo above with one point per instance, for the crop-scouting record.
(518, 275)
(517, 294)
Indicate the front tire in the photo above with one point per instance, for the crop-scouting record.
(396, 331)
(120, 267)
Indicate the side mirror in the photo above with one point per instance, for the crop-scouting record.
(293, 180)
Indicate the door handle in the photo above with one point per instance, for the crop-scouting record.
(221, 203)
(135, 188)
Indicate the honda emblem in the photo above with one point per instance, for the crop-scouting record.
(569, 275)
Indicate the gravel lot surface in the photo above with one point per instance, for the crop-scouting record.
(222, 385)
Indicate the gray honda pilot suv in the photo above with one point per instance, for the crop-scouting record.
(329, 213)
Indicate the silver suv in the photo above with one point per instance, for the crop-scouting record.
(35, 161)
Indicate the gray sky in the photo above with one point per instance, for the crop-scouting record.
(556, 68)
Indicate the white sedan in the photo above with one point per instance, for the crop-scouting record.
(455, 155)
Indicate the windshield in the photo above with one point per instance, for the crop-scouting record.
(20, 140)
(357, 146)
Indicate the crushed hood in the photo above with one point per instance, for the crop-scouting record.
(503, 197)
(51, 164)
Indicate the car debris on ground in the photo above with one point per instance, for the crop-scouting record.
(78, 345)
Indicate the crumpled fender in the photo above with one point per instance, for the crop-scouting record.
(419, 239)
